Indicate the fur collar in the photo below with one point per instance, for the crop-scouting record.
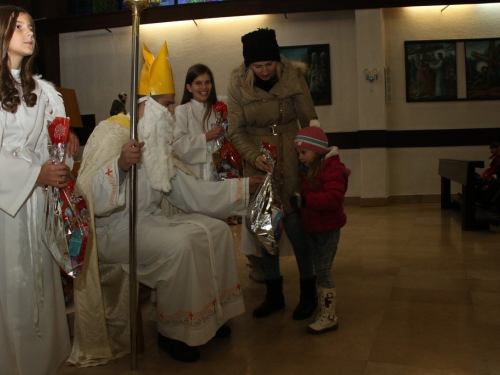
(54, 97)
(334, 151)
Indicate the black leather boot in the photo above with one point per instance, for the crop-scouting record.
(178, 350)
(308, 300)
(275, 300)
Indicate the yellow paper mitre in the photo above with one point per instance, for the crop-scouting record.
(156, 74)
(160, 77)
(146, 67)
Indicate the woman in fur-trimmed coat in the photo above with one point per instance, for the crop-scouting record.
(267, 100)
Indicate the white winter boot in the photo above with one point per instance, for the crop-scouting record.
(326, 319)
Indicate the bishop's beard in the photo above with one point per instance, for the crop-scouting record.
(156, 130)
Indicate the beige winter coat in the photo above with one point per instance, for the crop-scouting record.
(254, 115)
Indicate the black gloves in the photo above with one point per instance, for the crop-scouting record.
(297, 201)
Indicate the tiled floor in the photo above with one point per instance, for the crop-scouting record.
(416, 296)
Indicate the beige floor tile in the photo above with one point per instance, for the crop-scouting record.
(487, 305)
(419, 259)
(443, 284)
(484, 279)
(490, 335)
(431, 320)
(113, 368)
(378, 239)
(423, 350)
(278, 362)
(454, 251)
(359, 324)
(415, 296)
(453, 297)
(370, 250)
(433, 272)
(344, 264)
(377, 368)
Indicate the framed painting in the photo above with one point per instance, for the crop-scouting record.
(314, 63)
(482, 68)
(431, 70)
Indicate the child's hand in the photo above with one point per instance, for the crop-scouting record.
(297, 201)
(73, 145)
(214, 133)
(53, 175)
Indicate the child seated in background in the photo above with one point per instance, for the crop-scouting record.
(489, 185)
(494, 163)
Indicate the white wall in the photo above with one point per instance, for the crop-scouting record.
(97, 65)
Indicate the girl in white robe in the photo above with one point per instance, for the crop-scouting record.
(194, 143)
(194, 131)
(34, 335)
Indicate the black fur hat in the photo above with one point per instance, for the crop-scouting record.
(260, 45)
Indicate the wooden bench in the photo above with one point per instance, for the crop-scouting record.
(463, 172)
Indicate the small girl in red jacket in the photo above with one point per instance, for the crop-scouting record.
(324, 183)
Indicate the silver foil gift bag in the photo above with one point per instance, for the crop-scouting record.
(264, 214)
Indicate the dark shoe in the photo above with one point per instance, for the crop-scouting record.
(178, 350)
(308, 300)
(275, 300)
(223, 332)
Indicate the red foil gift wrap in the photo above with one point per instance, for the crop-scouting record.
(264, 214)
(220, 110)
(59, 130)
(59, 136)
(227, 160)
(230, 163)
(66, 219)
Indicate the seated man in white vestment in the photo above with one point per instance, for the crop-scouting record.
(188, 258)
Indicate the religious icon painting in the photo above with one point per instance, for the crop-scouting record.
(431, 70)
(196, 1)
(482, 68)
(313, 61)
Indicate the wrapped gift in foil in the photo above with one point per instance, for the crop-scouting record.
(220, 111)
(66, 222)
(264, 214)
(227, 160)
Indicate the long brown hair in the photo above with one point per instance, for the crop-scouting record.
(314, 168)
(192, 73)
(249, 79)
(9, 94)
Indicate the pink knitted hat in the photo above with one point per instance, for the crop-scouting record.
(312, 138)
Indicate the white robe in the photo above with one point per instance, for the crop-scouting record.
(34, 335)
(192, 148)
(190, 143)
(188, 258)
(219, 199)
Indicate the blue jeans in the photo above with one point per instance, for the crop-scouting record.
(323, 246)
(300, 244)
